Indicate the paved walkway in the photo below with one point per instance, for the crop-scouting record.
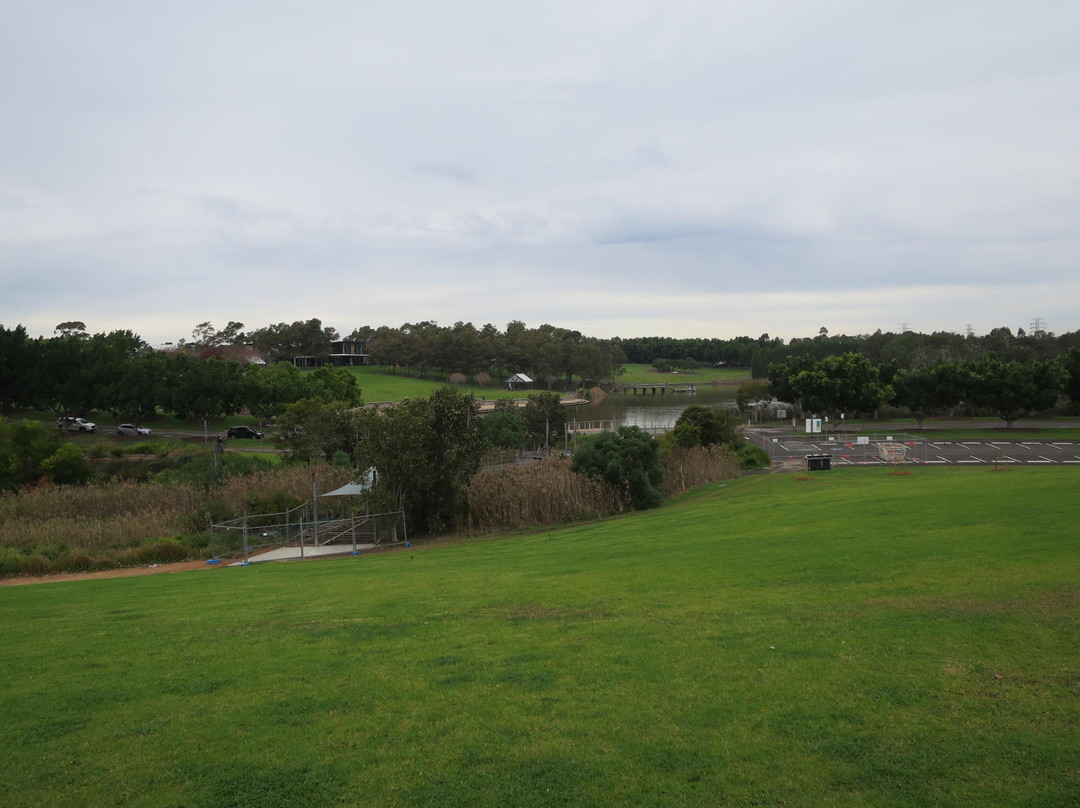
(293, 552)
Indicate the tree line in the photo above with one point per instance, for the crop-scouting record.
(118, 373)
(850, 383)
(907, 349)
(547, 354)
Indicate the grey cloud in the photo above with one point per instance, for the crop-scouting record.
(537, 154)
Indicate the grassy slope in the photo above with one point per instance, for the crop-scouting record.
(376, 385)
(852, 639)
(644, 374)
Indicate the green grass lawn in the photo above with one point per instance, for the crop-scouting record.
(852, 638)
(644, 374)
(377, 385)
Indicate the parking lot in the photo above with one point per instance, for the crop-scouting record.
(787, 449)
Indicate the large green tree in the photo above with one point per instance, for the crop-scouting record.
(142, 387)
(1014, 389)
(286, 341)
(713, 426)
(268, 390)
(629, 460)
(312, 429)
(545, 418)
(331, 383)
(833, 385)
(504, 427)
(424, 452)
(16, 366)
(204, 388)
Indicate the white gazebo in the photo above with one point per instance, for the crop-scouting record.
(518, 381)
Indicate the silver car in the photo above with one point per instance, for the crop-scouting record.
(131, 429)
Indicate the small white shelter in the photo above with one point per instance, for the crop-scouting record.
(519, 381)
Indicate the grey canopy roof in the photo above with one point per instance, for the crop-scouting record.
(361, 485)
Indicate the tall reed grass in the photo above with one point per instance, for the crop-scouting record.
(685, 469)
(545, 493)
(69, 528)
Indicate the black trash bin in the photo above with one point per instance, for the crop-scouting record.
(818, 462)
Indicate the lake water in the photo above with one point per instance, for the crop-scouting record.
(652, 411)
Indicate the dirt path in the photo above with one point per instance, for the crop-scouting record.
(125, 572)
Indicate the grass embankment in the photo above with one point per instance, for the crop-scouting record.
(847, 639)
(378, 385)
(645, 374)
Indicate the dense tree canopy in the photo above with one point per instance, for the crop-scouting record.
(830, 386)
(546, 353)
(75, 372)
(629, 460)
(424, 452)
(1013, 389)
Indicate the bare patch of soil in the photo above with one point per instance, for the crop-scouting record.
(123, 572)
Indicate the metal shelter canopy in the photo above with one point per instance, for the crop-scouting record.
(357, 487)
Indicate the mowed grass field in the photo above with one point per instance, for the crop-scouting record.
(853, 638)
(646, 374)
(379, 385)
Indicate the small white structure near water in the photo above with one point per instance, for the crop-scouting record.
(519, 381)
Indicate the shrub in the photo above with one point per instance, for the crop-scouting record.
(162, 551)
(67, 466)
(753, 457)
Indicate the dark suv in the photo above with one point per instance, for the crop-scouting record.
(244, 432)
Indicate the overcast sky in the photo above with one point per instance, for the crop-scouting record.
(621, 168)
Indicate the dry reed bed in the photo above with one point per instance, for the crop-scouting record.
(685, 469)
(293, 481)
(57, 520)
(543, 493)
(548, 493)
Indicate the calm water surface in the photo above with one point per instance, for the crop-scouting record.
(651, 411)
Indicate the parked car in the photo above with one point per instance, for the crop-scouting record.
(131, 429)
(76, 425)
(244, 432)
